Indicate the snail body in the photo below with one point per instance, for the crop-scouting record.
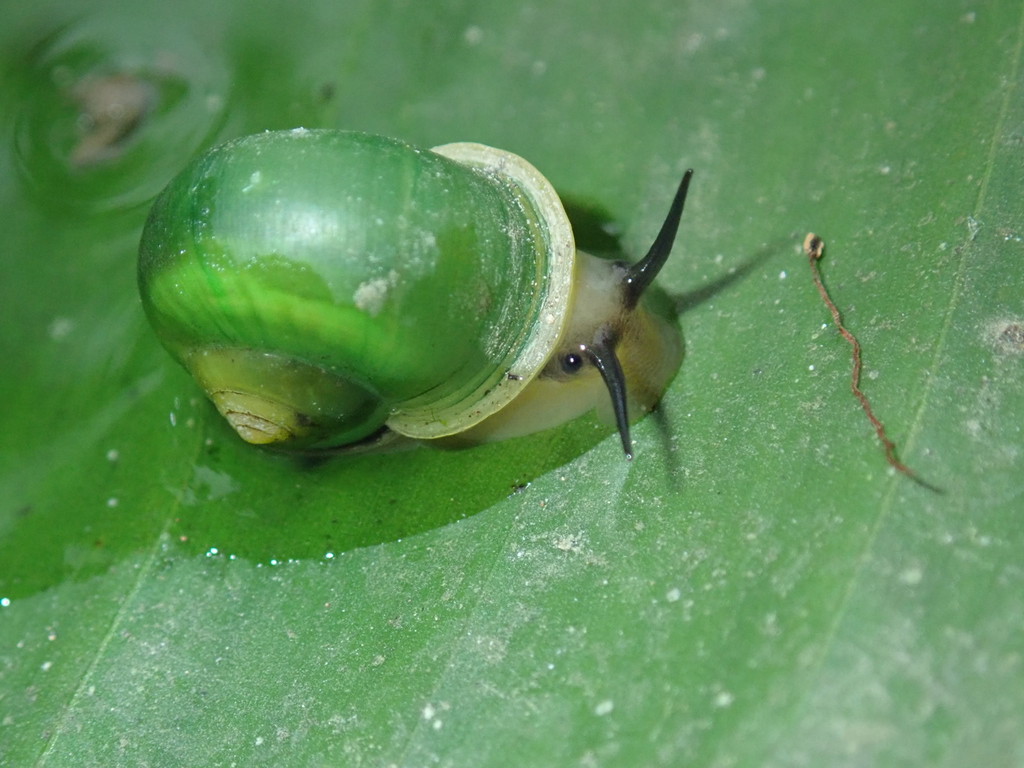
(325, 287)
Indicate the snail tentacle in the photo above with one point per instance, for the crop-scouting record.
(636, 278)
(602, 355)
(642, 273)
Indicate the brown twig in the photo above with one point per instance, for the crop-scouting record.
(814, 247)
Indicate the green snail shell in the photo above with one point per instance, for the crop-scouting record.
(323, 285)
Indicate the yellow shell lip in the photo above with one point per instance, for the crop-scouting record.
(551, 315)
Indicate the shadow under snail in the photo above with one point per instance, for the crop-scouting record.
(327, 288)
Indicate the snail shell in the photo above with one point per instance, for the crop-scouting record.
(326, 286)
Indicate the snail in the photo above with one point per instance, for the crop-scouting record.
(327, 288)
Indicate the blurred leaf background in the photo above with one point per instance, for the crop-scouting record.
(757, 588)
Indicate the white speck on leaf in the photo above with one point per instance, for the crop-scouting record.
(911, 576)
(60, 328)
(724, 699)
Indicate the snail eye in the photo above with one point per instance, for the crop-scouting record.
(572, 362)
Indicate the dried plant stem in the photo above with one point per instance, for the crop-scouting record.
(814, 247)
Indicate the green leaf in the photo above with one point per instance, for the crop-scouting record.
(757, 588)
